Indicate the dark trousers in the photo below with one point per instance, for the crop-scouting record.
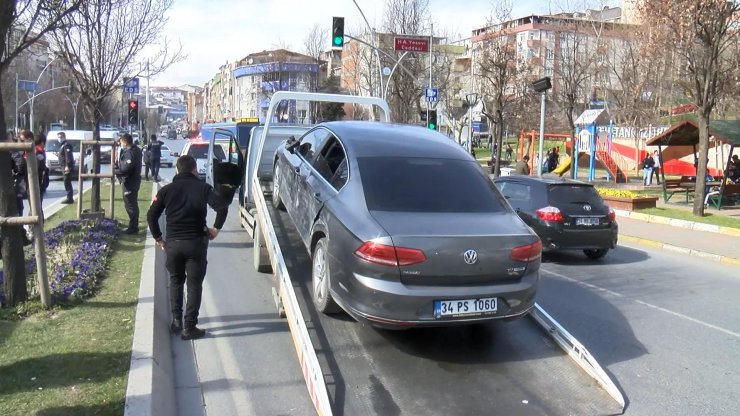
(187, 261)
(68, 185)
(146, 171)
(656, 172)
(154, 166)
(131, 202)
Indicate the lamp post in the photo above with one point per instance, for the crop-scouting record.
(470, 100)
(34, 92)
(541, 86)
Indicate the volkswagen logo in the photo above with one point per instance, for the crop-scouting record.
(470, 257)
(587, 207)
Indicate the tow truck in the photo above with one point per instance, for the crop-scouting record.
(254, 174)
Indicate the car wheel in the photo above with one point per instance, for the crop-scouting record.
(277, 202)
(320, 278)
(595, 253)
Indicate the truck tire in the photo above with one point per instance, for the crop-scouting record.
(261, 258)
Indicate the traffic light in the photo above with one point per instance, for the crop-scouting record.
(337, 33)
(133, 112)
(432, 122)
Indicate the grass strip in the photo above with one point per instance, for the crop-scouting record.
(682, 214)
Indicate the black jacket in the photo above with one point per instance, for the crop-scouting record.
(155, 150)
(185, 202)
(128, 168)
(66, 156)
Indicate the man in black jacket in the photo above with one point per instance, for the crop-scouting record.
(155, 156)
(186, 202)
(67, 163)
(128, 171)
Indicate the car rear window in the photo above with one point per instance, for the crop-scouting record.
(201, 152)
(573, 194)
(427, 185)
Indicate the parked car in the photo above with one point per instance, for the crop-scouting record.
(199, 151)
(566, 214)
(440, 247)
(74, 137)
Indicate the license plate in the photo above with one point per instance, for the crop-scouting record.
(462, 307)
(587, 221)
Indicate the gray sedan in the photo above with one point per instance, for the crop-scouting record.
(404, 228)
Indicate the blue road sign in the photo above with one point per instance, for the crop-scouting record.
(28, 85)
(431, 95)
(131, 85)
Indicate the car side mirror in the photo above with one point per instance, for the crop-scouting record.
(291, 144)
(175, 154)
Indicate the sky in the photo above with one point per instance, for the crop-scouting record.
(214, 32)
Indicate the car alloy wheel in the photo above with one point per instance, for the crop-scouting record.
(595, 253)
(277, 202)
(320, 277)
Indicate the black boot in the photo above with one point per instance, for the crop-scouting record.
(192, 333)
(176, 325)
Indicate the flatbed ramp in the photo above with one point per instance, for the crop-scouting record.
(492, 368)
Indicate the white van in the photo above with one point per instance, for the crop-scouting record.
(52, 148)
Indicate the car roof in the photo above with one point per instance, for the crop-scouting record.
(545, 180)
(370, 138)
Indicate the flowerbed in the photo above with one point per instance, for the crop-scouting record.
(77, 252)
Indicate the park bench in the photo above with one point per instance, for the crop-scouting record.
(673, 186)
(730, 195)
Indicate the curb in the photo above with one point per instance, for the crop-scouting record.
(681, 250)
(691, 225)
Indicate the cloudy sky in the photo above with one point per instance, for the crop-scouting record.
(213, 32)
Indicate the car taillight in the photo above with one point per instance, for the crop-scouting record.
(550, 214)
(612, 214)
(527, 252)
(389, 255)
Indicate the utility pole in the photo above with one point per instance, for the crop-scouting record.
(431, 38)
(16, 104)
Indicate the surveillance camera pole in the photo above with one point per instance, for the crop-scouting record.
(542, 133)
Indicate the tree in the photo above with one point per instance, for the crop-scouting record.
(101, 46)
(499, 71)
(331, 111)
(701, 34)
(314, 45)
(22, 23)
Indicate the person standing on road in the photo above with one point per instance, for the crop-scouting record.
(41, 162)
(656, 167)
(67, 162)
(146, 159)
(155, 156)
(522, 166)
(185, 202)
(128, 170)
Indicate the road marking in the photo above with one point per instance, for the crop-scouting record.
(643, 303)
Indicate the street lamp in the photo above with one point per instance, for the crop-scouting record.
(470, 100)
(541, 86)
(34, 91)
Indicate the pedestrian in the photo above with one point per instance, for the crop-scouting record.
(509, 151)
(656, 167)
(43, 168)
(155, 155)
(185, 202)
(553, 159)
(522, 166)
(67, 161)
(146, 160)
(128, 171)
(647, 170)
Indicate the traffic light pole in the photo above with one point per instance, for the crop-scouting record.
(429, 103)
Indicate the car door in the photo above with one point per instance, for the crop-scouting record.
(219, 135)
(306, 180)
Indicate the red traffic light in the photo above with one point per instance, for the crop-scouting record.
(133, 104)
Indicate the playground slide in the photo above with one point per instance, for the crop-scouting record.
(563, 167)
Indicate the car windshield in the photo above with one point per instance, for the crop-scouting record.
(54, 145)
(201, 152)
(428, 185)
(573, 194)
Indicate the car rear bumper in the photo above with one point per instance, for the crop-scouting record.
(395, 305)
(559, 238)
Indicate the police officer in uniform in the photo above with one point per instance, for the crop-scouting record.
(185, 202)
(67, 162)
(128, 170)
(155, 156)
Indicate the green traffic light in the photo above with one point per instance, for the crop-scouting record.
(338, 41)
(432, 126)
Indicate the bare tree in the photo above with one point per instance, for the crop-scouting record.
(316, 42)
(22, 23)
(105, 41)
(701, 34)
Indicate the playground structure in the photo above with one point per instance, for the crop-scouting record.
(528, 142)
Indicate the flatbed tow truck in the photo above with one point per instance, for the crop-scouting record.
(495, 368)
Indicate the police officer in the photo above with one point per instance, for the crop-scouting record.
(67, 162)
(185, 202)
(155, 156)
(128, 170)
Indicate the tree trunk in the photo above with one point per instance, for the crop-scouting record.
(701, 169)
(14, 270)
(499, 140)
(573, 149)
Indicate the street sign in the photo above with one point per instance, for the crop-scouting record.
(28, 85)
(131, 85)
(431, 95)
(411, 44)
